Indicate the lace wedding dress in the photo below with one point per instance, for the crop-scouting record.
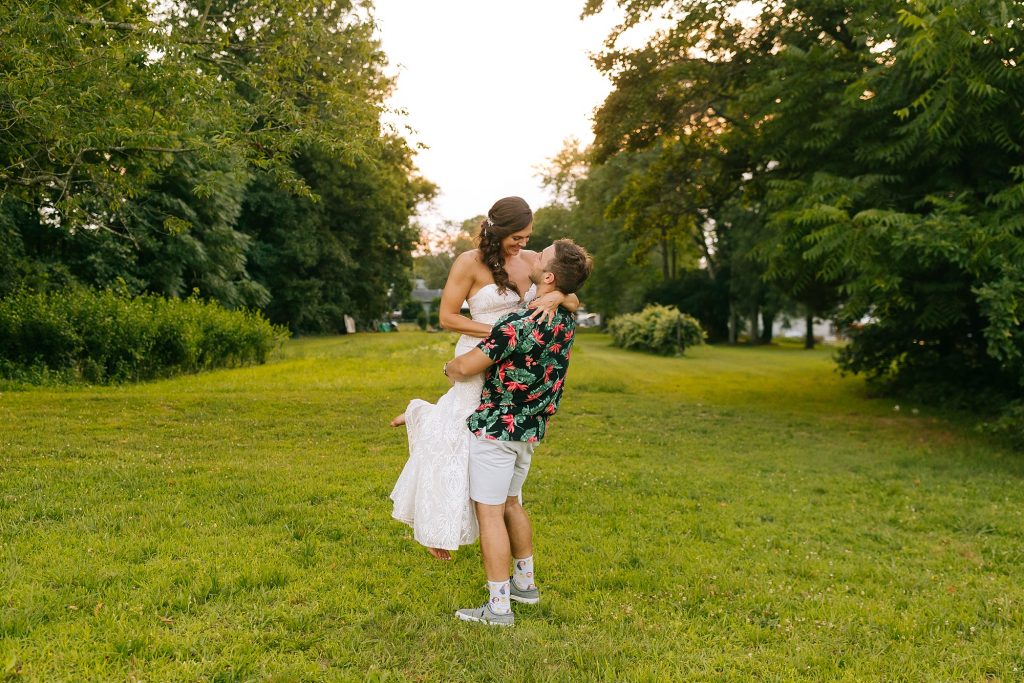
(432, 493)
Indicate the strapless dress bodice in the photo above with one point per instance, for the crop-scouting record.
(488, 304)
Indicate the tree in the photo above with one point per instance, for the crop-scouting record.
(550, 223)
(621, 277)
(442, 246)
(348, 254)
(100, 98)
(137, 141)
(857, 125)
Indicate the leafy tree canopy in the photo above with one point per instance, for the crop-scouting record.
(880, 144)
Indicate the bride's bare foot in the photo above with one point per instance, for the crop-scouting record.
(398, 421)
(440, 553)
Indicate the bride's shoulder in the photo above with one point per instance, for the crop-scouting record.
(469, 255)
(468, 260)
(469, 267)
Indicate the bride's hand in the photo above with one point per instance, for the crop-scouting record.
(544, 307)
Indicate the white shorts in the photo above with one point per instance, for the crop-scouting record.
(497, 469)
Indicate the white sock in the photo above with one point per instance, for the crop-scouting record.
(524, 573)
(499, 596)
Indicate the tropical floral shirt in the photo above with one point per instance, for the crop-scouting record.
(523, 387)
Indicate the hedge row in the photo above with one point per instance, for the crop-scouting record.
(658, 329)
(104, 337)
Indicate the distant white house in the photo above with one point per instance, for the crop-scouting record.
(796, 328)
(424, 295)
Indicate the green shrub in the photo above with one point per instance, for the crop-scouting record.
(658, 329)
(411, 310)
(432, 320)
(102, 337)
(1009, 425)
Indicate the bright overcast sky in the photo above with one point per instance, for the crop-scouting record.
(492, 88)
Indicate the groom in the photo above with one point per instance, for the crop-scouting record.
(526, 364)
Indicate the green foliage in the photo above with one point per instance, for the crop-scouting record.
(441, 246)
(135, 140)
(431, 321)
(939, 289)
(411, 310)
(349, 254)
(103, 337)
(550, 223)
(101, 97)
(433, 268)
(697, 294)
(861, 159)
(620, 280)
(187, 240)
(658, 329)
(1009, 425)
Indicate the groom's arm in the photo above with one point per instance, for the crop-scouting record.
(468, 364)
(499, 344)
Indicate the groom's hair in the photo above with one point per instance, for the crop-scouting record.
(571, 266)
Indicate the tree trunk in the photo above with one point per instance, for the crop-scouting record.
(702, 244)
(665, 273)
(733, 323)
(767, 321)
(754, 336)
(809, 337)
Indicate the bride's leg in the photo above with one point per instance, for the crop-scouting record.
(440, 553)
(398, 421)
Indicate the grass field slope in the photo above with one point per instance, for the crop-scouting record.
(740, 514)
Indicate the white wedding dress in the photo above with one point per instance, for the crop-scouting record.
(432, 493)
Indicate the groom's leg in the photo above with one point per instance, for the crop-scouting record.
(520, 532)
(494, 541)
(497, 470)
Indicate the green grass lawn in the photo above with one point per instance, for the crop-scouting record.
(737, 514)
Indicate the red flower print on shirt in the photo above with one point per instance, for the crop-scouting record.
(503, 368)
(513, 385)
(547, 372)
(522, 389)
(510, 332)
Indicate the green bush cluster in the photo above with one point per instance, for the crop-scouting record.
(659, 329)
(103, 337)
(431, 320)
(1008, 425)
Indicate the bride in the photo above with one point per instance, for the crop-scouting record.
(432, 493)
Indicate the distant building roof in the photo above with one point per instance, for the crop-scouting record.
(421, 293)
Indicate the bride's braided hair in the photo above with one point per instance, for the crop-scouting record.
(507, 216)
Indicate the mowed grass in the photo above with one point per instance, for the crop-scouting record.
(738, 514)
